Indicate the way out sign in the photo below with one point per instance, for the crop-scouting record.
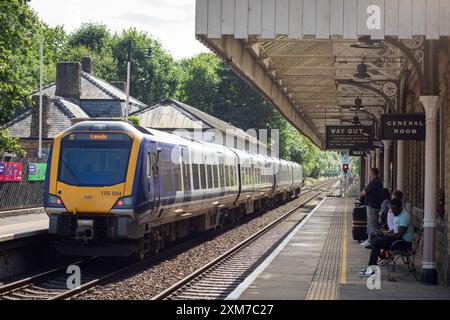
(403, 126)
(349, 137)
(358, 153)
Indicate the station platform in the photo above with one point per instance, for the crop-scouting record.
(23, 226)
(319, 260)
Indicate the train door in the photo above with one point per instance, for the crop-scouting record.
(153, 178)
(186, 168)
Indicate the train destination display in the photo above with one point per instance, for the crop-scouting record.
(403, 126)
(349, 137)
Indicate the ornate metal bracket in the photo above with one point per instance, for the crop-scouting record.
(414, 50)
(388, 90)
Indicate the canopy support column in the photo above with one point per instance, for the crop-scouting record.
(428, 272)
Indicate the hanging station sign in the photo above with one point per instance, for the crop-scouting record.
(358, 153)
(403, 126)
(349, 137)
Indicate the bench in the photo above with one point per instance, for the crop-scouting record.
(408, 256)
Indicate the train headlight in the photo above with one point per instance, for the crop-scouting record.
(124, 203)
(54, 201)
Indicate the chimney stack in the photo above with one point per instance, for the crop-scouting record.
(87, 64)
(121, 85)
(34, 127)
(68, 80)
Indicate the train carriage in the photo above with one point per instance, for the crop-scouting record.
(116, 190)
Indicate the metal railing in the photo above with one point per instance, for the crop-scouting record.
(16, 195)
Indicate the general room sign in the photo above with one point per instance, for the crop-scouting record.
(403, 126)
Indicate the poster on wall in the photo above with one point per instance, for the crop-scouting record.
(10, 171)
(36, 171)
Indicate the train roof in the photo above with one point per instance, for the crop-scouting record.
(162, 136)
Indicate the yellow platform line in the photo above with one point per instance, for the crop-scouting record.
(343, 274)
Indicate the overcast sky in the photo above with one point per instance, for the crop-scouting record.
(170, 21)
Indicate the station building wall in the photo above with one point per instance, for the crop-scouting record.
(414, 175)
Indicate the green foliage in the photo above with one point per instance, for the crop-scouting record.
(153, 78)
(8, 144)
(16, 19)
(105, 66)
(135, 120)
(93, 36)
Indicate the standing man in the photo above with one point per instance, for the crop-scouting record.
(372, 196)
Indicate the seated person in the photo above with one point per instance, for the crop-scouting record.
(385, 206)
(390, 218)
(403, 230)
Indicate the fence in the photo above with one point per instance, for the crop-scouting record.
(24, 194)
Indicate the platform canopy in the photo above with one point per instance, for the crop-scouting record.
(298, 53)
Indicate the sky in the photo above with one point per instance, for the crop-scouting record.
(172, 22)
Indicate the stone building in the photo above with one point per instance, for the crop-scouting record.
(77, 93)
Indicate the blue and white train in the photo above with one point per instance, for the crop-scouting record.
(114, 189)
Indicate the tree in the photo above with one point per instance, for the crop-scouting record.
(153, 78)
(105, 66)
(199, 81)
(8, 144)
(93, 36)
(16, 19)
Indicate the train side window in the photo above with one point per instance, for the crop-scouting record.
(203, 176)
(166, 172)
(232, 176)
(227, 176)
(216, 176)
(222, 175)
(195, 176)
(210, 176)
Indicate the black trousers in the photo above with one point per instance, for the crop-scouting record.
(384, 243)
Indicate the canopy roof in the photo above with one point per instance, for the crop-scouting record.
(298, 53)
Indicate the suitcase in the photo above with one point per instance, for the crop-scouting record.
(359, 225)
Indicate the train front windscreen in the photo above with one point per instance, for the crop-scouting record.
(94, 159)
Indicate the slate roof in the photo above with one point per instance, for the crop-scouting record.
(172, 114)
(60, 113)
(94, 88)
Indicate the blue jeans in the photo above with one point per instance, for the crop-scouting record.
(384, 243)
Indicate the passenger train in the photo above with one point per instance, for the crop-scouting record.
(114, 189)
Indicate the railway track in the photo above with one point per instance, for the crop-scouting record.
(52, 284)
(220, 277)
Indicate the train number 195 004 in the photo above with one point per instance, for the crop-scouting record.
(111, 193)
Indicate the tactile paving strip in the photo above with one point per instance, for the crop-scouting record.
(325, 282)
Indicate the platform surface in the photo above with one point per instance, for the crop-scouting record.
(321, 261)
(23, 226)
